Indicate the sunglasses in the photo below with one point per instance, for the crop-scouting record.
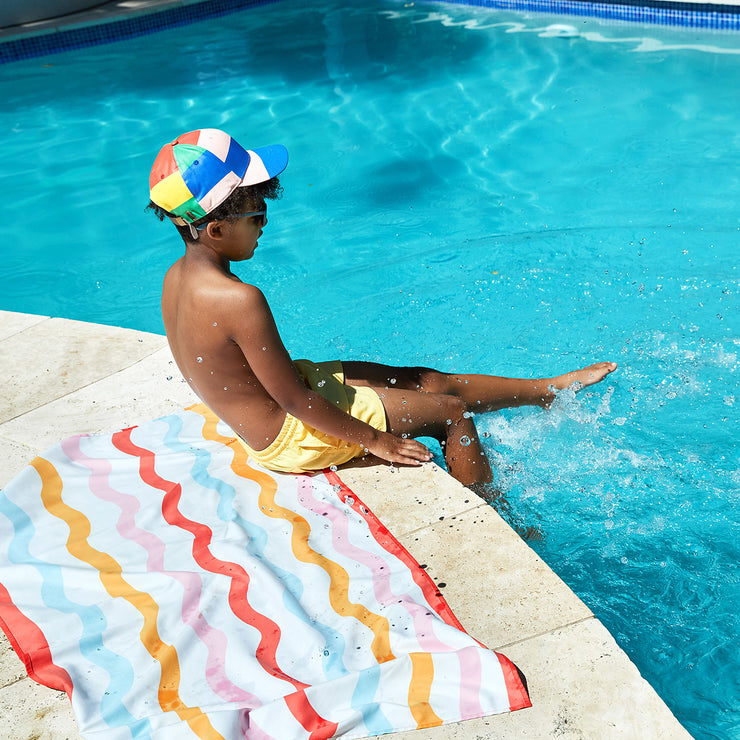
(262, 214)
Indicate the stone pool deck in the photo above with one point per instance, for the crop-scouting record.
(62, 377)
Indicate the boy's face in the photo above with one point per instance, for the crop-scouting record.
(242, 233)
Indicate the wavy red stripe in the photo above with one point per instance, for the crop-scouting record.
(388, 542)
(202, 534)
(301, 709)
(30, 644)
(518, 695)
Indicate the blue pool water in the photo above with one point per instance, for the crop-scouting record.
(475, 190)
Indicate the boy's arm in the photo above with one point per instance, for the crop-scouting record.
(256, 334)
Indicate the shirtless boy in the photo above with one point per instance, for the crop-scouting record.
(303, 416)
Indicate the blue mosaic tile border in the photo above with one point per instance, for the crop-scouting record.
(661, 12)
(117, 29)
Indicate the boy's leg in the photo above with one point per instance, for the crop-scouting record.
(480, 393)
(445, 418)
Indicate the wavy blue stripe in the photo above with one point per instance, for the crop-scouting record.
(367, 684)
(334, 642)
(93, 620)
(365, 702)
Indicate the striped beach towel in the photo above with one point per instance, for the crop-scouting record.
(175, 589)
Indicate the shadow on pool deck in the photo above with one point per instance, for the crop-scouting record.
(64, 377)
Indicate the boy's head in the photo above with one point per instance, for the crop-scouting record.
(206, 175)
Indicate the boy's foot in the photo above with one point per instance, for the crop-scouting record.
(584, 377)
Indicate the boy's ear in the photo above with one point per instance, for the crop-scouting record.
(214, 229)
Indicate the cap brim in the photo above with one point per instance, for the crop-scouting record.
(265, 163)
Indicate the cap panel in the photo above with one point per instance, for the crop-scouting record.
(216, 141)
(256, 172)
(164, 165)
(191, 137)
(237, 159)
(220, 192)
(204, 174)
(185, 154)
(170, 193)
(190, 211)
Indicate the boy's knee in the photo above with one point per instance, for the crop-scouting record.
(455, 408)
(430, 381)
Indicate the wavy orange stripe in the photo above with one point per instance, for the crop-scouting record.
(112, 579)
(420, 689)
(338, 576)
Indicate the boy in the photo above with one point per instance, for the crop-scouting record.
(303, 416)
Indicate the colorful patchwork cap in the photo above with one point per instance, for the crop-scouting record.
(199, 170)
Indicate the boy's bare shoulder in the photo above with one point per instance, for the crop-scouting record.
(196, 298)
(204, 283)
(234, 295)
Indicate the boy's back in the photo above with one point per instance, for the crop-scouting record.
(206, 313)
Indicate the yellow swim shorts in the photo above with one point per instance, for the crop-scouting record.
(299, 448)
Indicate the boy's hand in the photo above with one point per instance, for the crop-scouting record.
(397, 450)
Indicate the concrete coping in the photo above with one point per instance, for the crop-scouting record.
(64, 377)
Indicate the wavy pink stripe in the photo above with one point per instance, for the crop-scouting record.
(471, 674)
(469, 658)
(251, 730)
(215, 640)
(379, 568)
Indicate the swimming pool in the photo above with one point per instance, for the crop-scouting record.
(468, 188)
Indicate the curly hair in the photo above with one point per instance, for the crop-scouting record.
(245, 198)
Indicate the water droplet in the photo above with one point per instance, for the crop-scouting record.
(623, 561)
(393, 381)
(226, 388)
(336, 488)
(321, 383)
(349, 500)
(199, 359)
(464, 440)
(264, 349)
(215, 323)
(333, 468)
(449, 421)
